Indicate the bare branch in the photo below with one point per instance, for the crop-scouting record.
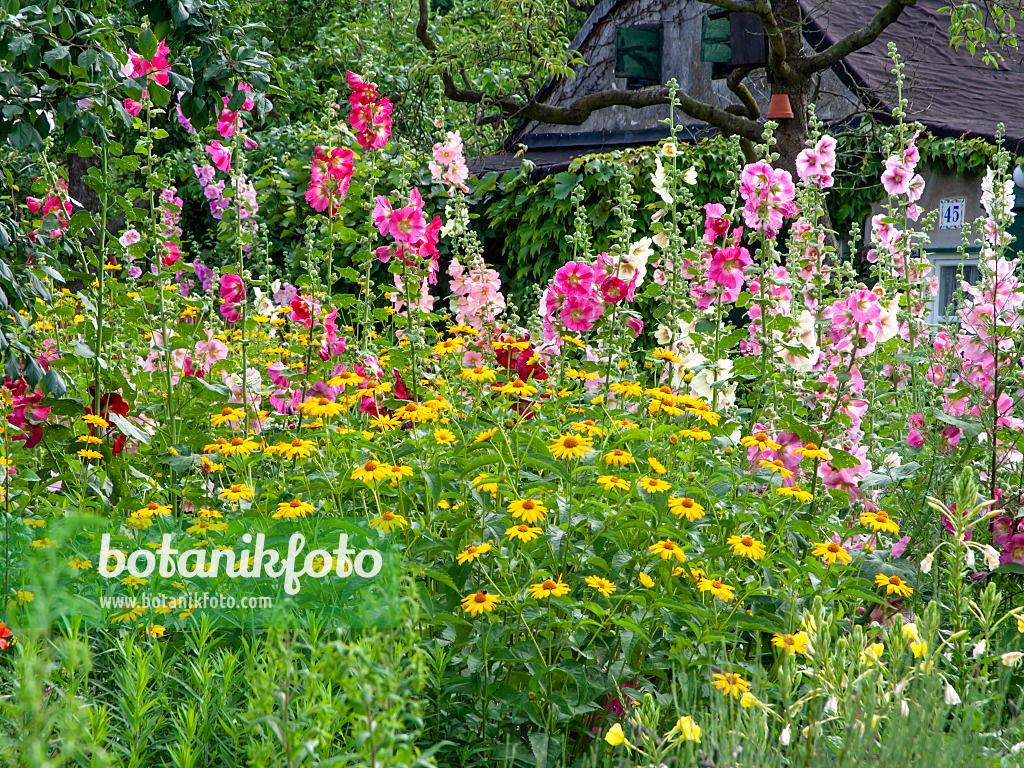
(579, 110)
(864, 36)
(735, 84)
(777, 53)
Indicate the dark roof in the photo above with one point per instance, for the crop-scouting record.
(949, 91)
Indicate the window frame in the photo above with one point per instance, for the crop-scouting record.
(947, 257)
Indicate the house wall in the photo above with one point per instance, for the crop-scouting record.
(681, 31)
(943, 185)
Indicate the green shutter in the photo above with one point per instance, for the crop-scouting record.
(638, 54)
(715, 40)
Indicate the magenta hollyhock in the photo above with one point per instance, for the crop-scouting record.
(579, 312)
(232, 289)
(1013, 550)
(221, 155)
(727, 265)
(574, 278)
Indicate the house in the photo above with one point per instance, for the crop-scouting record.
(632, 43)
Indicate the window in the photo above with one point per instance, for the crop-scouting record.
(951, 268)
(729, 40)
(638, 55)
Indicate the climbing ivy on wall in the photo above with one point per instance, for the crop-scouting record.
(530, 216)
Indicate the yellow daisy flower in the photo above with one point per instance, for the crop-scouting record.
(472, 552)
(685, 507)
(667, 549)
(571, 446)
(894, 584)
(831, 551)
(549, 588)
(480, 602)
(528, 510)
(602, 585)
(746, 546)
(523, 532)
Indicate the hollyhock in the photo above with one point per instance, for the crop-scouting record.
(897, 177)
(818, 163)
(302, 311)
(573, 278)
(132, 107)
(614, 290)
(715, 223)
(155, 69)
(221, 155)
(407, 224)
(211, 351)
(636, 325)
(768, 197)
(232, 289)
(382, 215)
(632, 267)
(318, 196)
(232, 313)
(363, 94)
(170, 253)
(578, 313)
(1013, 550)
(524, 363)
(726, 268)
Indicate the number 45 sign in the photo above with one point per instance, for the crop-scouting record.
(952, 212)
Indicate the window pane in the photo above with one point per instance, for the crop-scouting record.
(949, 281)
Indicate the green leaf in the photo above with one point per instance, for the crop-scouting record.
(55, 383)
(148, 44)
(130, 429)
(565, 182)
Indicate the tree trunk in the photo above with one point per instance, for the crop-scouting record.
(791, 135)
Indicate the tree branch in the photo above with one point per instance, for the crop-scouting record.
(777, 53)
(735, 84)
(579, 110)
(864, 36)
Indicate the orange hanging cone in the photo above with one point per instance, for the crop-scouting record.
(779, 108)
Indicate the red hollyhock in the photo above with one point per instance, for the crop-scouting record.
(518, 361)
(6, 637)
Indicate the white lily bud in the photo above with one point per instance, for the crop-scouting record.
(832, 706)
(970, 558)
(926, 563)
(1012, 658)
(991, 557)
(785, 737)
(979, 648)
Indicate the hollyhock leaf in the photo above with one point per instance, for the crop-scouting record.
(217, 389)
(55, 383)
(126, 427)
(843, 460)
(148, 44)
(881, 479)
(32, 371)
(237, 100)
(1009, 568)
(11, 367)
(970, 428)
(160, 95)
(182, 464)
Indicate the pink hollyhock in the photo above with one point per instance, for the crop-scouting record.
(320, 165)
(896, 177)
(363, 94)
(318, 195)
(171, 253)
(132, 107)
(574, 278)
(578, 313)
(863, 306)
(341, 164)
(818, 163)
(232, 313)
(156, 69)
(302, 311)
(715, 223)
(636, 325)
(382, 215)
(727, 265)
(1013, 550)
(221, 155)
(232, 289)
(614, 290)
(376, 135)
